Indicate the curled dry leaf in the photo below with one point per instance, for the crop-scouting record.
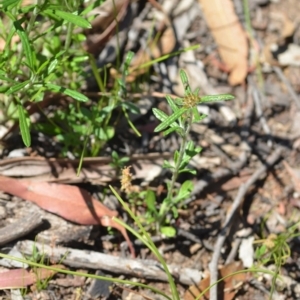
(226, 289)
(229, 36)
(70, 202)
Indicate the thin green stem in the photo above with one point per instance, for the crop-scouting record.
(86, 275)
(166, 205)
(146, 239)
(70, 28)
(29, 28)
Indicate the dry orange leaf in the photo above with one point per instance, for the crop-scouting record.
(230, 37)
(226, 289)
(21, 278)
(70, 202)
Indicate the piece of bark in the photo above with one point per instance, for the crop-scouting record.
(19, 228)
(147, 269)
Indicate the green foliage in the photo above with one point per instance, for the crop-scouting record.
(146, 239)
(41, 62)
(50, 58)
(276, 250)
(37, 257)
(184, 114)
(118, 162)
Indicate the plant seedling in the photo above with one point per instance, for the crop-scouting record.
(185, 113)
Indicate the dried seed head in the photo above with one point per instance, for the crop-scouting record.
(270, 241)
(126, 179)
(190, 100)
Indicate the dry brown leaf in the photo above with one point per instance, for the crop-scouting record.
(226, 289)
(21, 278)
(235, 182)
(287, 27)
(230, 37)
(70, 202)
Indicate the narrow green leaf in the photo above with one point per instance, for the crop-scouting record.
(5, 78)
(59, 89)
(196, 115)
(160, 115)
(52, 65)
(193, 172)
(176, 155)
(128, 59)
(8, 39)
(171, 119)
(199, 117)
(196, 91)
(171, 103)
(69, 17)
(185, 81)
(6, 3)
(178, 129)
(3, 89)
(184, 78)
(15, 88)
(261, 251)
(215, 98)
(42, 67)
(24, 122)
(26, 9)
(131, 107)
(175, 212)
(167, 165)
(150, 202)
(29, 54)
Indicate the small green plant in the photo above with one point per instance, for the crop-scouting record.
(118, 162)
(37, 257)
(41, 62)
(185, 113)
(275, 249)
(43, 54)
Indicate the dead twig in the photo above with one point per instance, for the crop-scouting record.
(213, 266)
(146, 269)
(291, 91)
(260, 115)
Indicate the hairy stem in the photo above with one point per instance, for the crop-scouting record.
(168, 203)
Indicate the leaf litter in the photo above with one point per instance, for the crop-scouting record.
(226, 164)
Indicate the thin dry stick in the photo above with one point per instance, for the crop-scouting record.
(291, 91)
(146, 269)
(213, 266)
(260, 115)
